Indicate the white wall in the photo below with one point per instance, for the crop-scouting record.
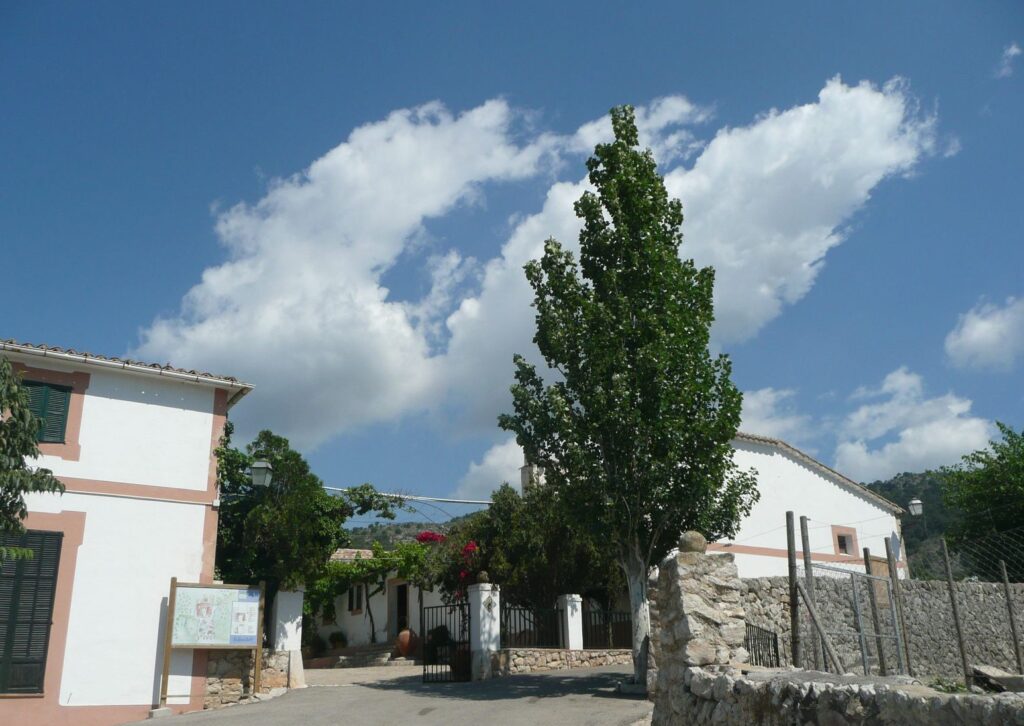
(357, 626)
(130, 551)
(785, 483)
(137, 429)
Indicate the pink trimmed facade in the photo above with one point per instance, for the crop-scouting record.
(139, 508)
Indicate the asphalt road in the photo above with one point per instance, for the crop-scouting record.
(396, 695)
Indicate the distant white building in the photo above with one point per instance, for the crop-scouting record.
(395, 608)
(843, 516)
(133, 444)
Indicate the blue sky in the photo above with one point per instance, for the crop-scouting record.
(349, 193)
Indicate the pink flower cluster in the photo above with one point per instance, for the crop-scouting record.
(428, 537)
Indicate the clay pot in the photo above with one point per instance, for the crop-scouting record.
(405, 643)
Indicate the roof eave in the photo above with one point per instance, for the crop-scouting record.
(238, 388)
(824, 469)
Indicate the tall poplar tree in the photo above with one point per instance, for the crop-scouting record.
(635, 430)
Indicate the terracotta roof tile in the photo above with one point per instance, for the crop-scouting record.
(346, 554)
(36, 348)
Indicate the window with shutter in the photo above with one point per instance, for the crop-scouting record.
(49, 403)
(27, 591)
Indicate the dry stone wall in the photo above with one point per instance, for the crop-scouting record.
(700, 606)
(726, 696)
(230, 673)
(929, 620)
(530, 660)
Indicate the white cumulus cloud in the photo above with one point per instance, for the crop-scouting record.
(764, 203)
(898, 428)
(771, 412)
(299, 306)
(988, 336)
(499, 464)
(1005, 67)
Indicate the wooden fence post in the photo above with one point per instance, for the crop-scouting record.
(876, 621)
(898, 594)
(794, 604)
(1013, 619)
(956, 615)
(809, 579)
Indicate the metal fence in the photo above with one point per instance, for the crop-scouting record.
(950, 607)
(446, 650)
(531, 628)
(982, 575)
(866, 633)
(762, 646)
(607, 629)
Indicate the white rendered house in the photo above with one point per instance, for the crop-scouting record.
(133, 445)
(843, 516)
(395, 608)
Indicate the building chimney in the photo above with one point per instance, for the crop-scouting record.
(530, 475)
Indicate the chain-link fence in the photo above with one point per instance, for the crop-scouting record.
(858, 614)
(952, 607)
(983, 587)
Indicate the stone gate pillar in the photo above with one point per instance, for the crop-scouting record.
(571, 612)
(484, 627)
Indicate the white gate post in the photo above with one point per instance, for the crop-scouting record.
(287, 635)
(571, 607)
(484, 627)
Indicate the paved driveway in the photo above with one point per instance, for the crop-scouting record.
(395, 695)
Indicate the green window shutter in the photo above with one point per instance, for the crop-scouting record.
(56, 418)
(49, 404)
(27, 591)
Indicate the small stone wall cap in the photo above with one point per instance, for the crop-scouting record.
(692, 542)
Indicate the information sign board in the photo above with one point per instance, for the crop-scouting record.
(210, 617)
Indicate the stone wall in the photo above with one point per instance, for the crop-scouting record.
(528, 660)
(929, 620)
(700, 608)
(726, 696)
(229, 675)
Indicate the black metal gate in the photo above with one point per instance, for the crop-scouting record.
(763, 647)
(446, 655)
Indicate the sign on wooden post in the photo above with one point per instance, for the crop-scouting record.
(213, 617)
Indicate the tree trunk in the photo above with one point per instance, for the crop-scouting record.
(369, 613)
(636, 579)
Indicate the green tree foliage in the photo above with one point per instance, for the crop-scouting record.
(987, 487)
(19, 430)
(925, 531)
(407, 560)
(636, 428)
(283, 534)
(531, 546)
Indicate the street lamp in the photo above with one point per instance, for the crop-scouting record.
(262, 473)
(916, 507)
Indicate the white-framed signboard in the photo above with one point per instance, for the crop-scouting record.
(204, 616)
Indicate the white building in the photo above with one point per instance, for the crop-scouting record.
(133, 444)
(843, 516)
(395, 608)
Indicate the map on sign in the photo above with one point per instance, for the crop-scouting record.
(213, 616)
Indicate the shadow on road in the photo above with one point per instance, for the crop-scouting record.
(530, 686)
